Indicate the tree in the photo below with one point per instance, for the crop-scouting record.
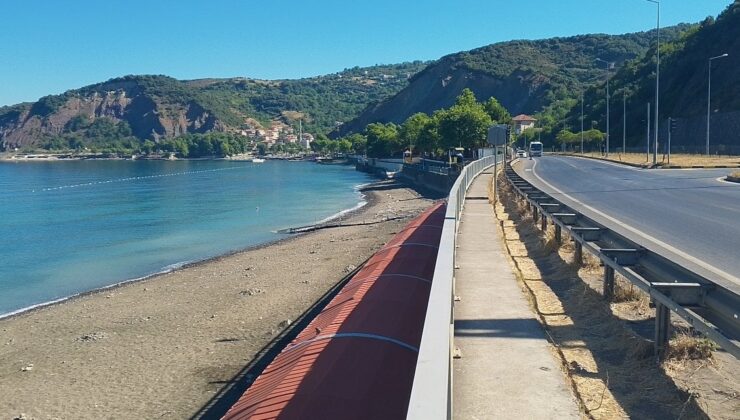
(261, 149)
(320, 145)
(148, 146)
(359, 143)
(465, 124)
(413, 129)
(382, 140)
(344, 146)
(594, 136)
(566, 137)
(429, 140)
(497, 112)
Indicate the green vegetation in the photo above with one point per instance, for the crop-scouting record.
(592, 139)
(324, 101)
(465, 124)
(543, 78)
(202, 145)
(105, 136)
(319, 102)
(683, 82)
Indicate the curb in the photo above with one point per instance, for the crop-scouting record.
(700, 167)
(634, 165)
(649, 166)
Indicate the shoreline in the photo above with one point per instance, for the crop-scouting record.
(366, 203)
(163, 347)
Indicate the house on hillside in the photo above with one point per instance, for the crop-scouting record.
(523, 122)
(306, 140)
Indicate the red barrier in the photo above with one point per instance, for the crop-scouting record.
(356, 359)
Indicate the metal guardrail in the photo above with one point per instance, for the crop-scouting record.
(705, 305)
(431, 393)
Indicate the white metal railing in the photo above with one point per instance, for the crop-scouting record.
(431, 393)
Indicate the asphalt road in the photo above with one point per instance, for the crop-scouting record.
(687, 215)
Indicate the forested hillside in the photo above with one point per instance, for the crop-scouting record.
(683, 88)
(525, 76)
(132, 109)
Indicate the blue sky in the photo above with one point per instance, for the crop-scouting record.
(50, 46)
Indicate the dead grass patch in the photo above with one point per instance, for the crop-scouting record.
(685, 346)
(676, 159)
(612, 369)
(625, 291)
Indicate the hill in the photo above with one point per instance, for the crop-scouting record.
(683, 89)
(525, 76)
(155, 107)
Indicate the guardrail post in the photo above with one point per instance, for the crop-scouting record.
(558, 234)
(534, 213)
(578, 258)
(608, 282)
(662, 328)
(544, 222)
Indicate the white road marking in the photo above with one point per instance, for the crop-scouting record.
(643, 235)
(722, 179)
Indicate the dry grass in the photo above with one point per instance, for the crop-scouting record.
(591, 263)
(735, 176)
(687, 347)
(611, 368)
(676, 159)
(625, 291)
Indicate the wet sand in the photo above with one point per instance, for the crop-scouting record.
(163, 347)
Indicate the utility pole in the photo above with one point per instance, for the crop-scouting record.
(647, 158)
(709, 95)
(671, 122)
(608, 66)
(657, 80)
(581, 121)
(624, 122)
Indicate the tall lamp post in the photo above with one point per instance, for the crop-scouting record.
(624, 122)
(657, 81)
(608, 66)
(581, 121)
(709, 95)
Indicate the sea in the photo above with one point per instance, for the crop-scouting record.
(74, 226)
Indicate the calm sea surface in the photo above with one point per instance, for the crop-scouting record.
(70, 227)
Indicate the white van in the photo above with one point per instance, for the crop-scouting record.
(535, 149)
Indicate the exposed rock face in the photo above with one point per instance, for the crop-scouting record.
(147, 115)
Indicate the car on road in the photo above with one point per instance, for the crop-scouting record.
(521, 153)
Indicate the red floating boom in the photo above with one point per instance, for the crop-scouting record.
(356, 359)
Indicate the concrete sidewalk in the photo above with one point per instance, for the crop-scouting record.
(508, 369)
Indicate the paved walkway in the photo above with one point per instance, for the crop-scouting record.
(508, 369)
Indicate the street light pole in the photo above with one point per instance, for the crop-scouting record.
(608, 66)
(624, 122)
(647, 150)
(657, 82)
(709, 95)
(581, 121)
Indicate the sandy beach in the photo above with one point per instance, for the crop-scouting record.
(163, 347)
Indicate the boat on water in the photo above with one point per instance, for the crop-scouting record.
(258, 160)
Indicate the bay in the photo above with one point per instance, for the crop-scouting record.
(71, 227)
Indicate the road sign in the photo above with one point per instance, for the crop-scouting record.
(497, 135)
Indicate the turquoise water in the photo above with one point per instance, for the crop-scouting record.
(70, 227)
